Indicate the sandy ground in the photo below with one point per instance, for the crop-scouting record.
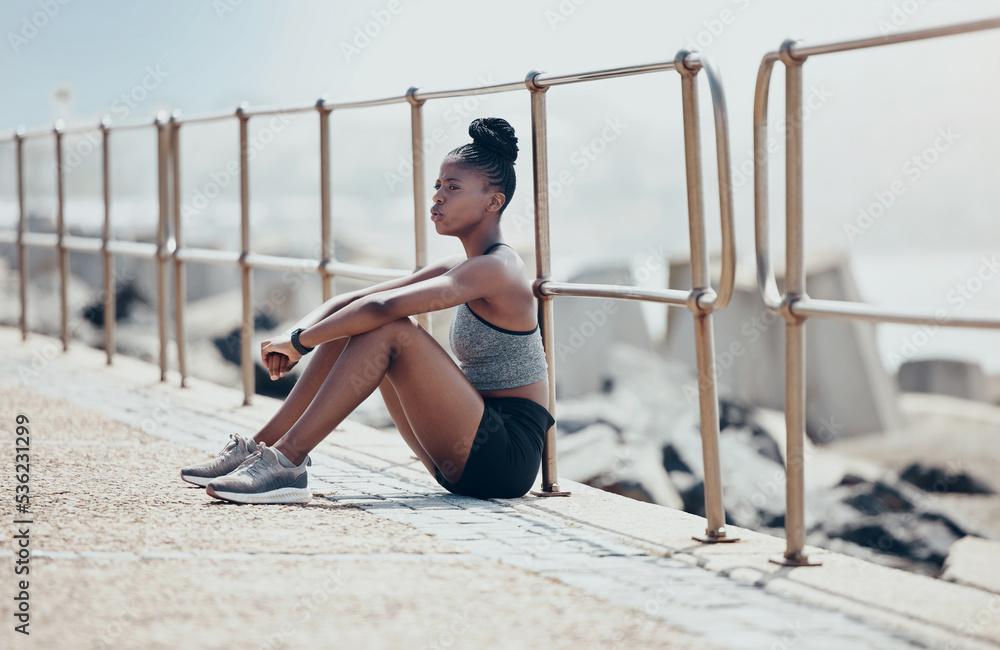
(142, 560)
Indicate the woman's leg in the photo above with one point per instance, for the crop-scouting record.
(303, 392)
(441, 407)
(395, 409)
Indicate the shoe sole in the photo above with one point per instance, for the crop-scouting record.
(200, 481)
(281, 495)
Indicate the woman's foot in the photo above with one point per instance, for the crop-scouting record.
(232, 456)
(265, 477)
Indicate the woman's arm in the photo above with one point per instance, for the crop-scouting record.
(339, 302)
(474, 278)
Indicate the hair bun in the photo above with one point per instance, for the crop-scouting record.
(495, 134)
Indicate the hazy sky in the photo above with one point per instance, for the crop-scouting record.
(877, 108)
(910, 126)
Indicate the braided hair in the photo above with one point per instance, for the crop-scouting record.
(492, 153)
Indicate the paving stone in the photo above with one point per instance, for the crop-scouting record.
(721, 610)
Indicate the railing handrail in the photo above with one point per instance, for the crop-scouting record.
(795, 306)
(702, 300)
(765, 272)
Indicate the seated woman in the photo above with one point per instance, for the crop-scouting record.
(477, 427)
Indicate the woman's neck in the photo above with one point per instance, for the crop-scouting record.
(478, 242)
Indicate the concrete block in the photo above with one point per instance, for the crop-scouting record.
(953, 377)
(584, 329)
(848, 391)
(974, 562)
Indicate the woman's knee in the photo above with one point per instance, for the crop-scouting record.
(397, 333)
(392, 337)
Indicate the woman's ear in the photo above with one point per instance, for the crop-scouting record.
(496, 202)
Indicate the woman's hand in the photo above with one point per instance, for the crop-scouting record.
(279, 355)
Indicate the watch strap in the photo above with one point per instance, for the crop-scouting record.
(298, 344)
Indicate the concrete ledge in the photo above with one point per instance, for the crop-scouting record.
(933, 612)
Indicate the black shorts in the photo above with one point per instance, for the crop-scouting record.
(507, 451)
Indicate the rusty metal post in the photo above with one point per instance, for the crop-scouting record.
(60, 244)
(420, 214)
(325, 214)
(106, 255)
(708, 399)
(543, 269)
(247, 324)
(180, 277)
(22, 224)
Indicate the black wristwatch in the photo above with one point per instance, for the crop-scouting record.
(298, 345)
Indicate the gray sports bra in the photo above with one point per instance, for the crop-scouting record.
(492, 357)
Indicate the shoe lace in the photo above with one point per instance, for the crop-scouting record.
(234, 441)
(256, 466)
(248, 463)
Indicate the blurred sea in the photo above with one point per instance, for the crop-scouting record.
(958, 282)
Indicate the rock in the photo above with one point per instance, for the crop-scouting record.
(922, 537)
(975, 562)
(953, 377)
(590, 453)
(229, 344)
(585, 329)
(577, 414)
(598, 456)
(628, 489)
(126, 297)
(849, 392)
(885, 516)
(672, 461)
(753, 484)
(935, 479)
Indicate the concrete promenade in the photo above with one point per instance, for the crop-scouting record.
(126, 555)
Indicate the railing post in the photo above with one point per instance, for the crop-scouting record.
(22, 249)
(420, 214)
(543, 268)
(701, 284)
(108, 260)
(60, 246)
(795, 333)
(180, 278)
(247, 324)
(326, 219)
(163, 181)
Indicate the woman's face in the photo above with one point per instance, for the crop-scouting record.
(462, 197)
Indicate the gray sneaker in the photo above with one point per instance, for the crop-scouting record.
(235, 452)
(264, 477)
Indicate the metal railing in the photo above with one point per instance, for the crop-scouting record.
(701, 300)
(795, 305)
